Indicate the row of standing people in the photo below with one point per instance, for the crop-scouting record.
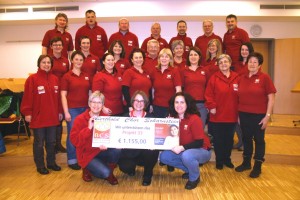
(255, 105)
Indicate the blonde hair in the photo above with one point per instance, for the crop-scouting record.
(219, 49)
(224, 56)
(169, 53)
(97, 94)
(175, 43)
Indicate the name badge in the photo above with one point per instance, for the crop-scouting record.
(41, 89)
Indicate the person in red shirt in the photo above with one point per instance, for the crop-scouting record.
(61, 24)
(136, 78)
(177, 48)
(60, 67)
(234, 38)
(41, 108)
(96, 34)
(222, 102)
(187, 41)
(194, 80)
(118, 50)
(147, 158)
(242, 68)
(155, 34)
(194, 146)
(151, 57)
(256, 100)
(109, 82)
(166, 82)
(91, 64)
(214, 50)
(202, 41)
(75, 86)
(129, 39)
(95, 161)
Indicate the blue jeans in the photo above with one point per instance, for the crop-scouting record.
(99, 166)
(187, 160)
(203, 112)
(71, 150)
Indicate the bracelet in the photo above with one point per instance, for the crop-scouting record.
(268, 114)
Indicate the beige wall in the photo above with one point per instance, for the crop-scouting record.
(286, 75)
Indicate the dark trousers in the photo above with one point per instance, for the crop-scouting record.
(160, 112)
(252, 131)
(47, 136)
(130, 158)
(223, 140)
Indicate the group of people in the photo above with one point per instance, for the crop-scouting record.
(114, 77)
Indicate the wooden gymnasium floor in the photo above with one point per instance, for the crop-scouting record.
(280, 178)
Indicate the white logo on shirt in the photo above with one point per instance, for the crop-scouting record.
(93, 61)
(41, 89)
(256, 80)
(130, 43)
(203, 72)
(185, 127)
(86, 78)
(99, 37)
(169, 76)
(235, 87)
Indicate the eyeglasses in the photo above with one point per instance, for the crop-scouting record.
(96, 102)
(139, 101)
(56, 45)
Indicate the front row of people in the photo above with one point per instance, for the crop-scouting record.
(43, 111)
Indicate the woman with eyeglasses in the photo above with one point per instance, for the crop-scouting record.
(95, 161)
(222, 103)
(130, 158)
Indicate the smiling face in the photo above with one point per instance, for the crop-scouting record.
(138, 103)
(61, 22)
(253, 65)
(181, 28)
(96, 105)
(57, 47)
(124, 25)
(153, 49)
(212, 48)
(164, 60)
(224, 65)
(231, 23)
(155, 30)
(85, 45)
(117, 49)
(45, 64)
(178, 51)
(207, 27)
(77, 61)
(180, 106)
(109, 63)
(137, 59)
(174, 131)
(194, 57)
(244, 51)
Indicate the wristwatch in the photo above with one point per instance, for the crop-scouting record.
(268, 114)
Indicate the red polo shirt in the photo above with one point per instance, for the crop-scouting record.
(194, 82)
(187, 41)
(60, 66)
(191, 129)
(222, 93)
(202, 42)
(240, 68)
(253, 92)
(164, 85)
(180, 66)
(122, 65)
(232, 43)
(77, 88)
(65, 36)
(137, 81)
(91, 65)
(129, 40)
(162, 43)
(111, 86)
(150, 64)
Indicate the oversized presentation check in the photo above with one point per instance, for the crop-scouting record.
(135, 133)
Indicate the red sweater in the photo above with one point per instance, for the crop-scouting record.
(41, 99)
(98, 39)
(221, 93)
(187, 41)
(162, 43)
(81, 137)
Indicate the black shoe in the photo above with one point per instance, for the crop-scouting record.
(229, 165)
(185, 175)
(192, 184)
(219, 166)
(170, 168)
(42, 171)
(54, 167)
(146, 181)
(75, 166)
(242, 168)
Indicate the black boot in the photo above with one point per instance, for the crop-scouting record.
(246, 165)
(256, 171)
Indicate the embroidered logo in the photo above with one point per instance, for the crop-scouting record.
(185, 127)
(130, 43)
(99, 37)
(120, 78)
(122, 65)
(203, 72)
(169, 76)
(64, 64)
(256, 80)
(233, 37)
(86, 78)
(93, 61)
